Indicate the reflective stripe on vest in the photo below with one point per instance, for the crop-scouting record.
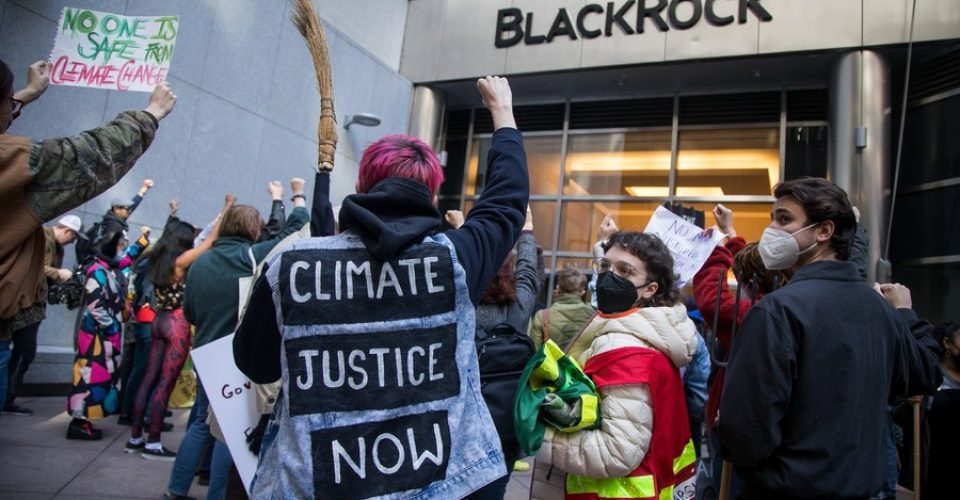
(634, 486)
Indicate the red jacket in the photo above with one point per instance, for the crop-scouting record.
(705, 291)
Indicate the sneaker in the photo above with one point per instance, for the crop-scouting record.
(171, 496)
(161, 455)
(17, 410)
(521, 466)
(203, 478)
(124, 420)
(167, 414)
(134, 447)
(83, 430)
(167, 427)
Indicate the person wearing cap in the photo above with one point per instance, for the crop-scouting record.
(24, 350)
(120, 209)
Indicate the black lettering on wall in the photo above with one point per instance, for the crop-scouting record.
(591, 8)
(617, 18)
(322, 287)
(653, 13)
(353, 372)
(755, 7)
(529, 38)
(689, 23)
(379, 458)
(561, 26)
(712, 16)
(508, 21)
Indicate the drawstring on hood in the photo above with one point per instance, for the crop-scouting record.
(384, 229)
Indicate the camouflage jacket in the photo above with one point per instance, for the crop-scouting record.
(39, 180)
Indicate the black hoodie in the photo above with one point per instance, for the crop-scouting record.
(395, 214)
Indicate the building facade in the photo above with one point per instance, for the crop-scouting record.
(629, 104)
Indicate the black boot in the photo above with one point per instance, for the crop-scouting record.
(83, 429)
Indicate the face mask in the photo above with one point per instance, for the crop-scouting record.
(779, 249)
(615, 294)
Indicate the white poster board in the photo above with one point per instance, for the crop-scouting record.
(233, 398)
(110, 51)
(686, 241)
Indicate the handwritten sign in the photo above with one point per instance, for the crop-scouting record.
(110, 51)
(687, 244)
(233, 399)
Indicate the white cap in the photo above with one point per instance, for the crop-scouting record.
(73, 222)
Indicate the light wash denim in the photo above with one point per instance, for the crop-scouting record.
(191, 452)
(473, 454)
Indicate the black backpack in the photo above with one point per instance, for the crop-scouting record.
(503, 352)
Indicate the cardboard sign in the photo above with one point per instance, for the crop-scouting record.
(687, 244)
(109, 51)
(233, 400)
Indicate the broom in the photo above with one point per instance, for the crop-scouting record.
(307, 21)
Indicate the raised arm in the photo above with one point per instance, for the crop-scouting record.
(495, 222)
(185, 259)
(277, 210)
(67, 172)
(298, 218)
(321, 212)
(528, 278)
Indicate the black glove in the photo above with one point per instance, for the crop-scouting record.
(255, 438)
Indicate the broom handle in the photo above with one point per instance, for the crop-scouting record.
(916, 450)
(725, 480)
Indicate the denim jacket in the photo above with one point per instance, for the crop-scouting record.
(380, 384)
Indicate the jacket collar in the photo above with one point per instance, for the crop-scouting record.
(666, 329)
(834, 270)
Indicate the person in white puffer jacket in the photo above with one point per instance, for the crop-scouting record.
(632, 349)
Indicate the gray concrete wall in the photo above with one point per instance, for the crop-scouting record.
(247, 110)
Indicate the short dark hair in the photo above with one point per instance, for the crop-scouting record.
(823, 200)
(6, 79)
(657, 259)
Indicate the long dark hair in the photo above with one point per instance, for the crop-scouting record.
(503, 289)
(177, 238)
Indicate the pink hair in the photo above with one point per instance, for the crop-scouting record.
(399, 156)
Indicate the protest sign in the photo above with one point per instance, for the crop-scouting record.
(109, 51)
(233, 400)
(687, 243)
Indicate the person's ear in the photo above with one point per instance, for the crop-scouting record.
(649, 291)
(824, 231)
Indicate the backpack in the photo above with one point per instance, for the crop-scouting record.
(503, 352)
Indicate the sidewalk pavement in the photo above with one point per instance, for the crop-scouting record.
(37, 462)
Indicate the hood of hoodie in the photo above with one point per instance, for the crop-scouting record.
(666, 329)
(394, 214)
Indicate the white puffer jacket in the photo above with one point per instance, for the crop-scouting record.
(621, 442)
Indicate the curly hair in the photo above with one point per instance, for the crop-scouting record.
(502, 291)
(657, 259)
(748, 266)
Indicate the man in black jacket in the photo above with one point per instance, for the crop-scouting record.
(816, 362)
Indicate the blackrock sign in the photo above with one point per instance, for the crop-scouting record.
(630, 18)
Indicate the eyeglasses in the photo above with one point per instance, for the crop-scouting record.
(15, 106)
(622, 269)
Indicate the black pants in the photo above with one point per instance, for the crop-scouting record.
(23, 353)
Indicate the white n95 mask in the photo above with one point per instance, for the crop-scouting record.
(779, 249)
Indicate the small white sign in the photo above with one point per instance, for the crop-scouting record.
(233, 398)
(687, 243)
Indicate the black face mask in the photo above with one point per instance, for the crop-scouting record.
(615, 294)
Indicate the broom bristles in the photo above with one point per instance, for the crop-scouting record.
(307, 21)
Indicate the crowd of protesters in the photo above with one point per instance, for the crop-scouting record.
(380, 323)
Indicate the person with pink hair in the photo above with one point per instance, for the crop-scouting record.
(372, 332)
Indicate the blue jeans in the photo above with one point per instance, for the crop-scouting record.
(191, 452)
(141, 351)
(4, 364)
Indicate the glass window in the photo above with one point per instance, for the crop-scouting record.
(728, 162)
(635, 164)
(580, 220)
(543, 163)
(806, 152)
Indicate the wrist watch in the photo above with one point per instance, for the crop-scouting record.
(298, 195)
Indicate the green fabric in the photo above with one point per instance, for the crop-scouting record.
(568, 315)
(553, 391)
